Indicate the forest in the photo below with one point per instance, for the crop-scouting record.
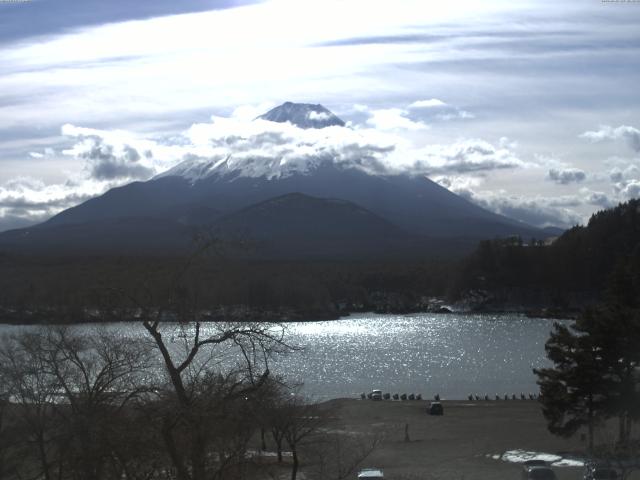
(514, 274)
(566, 275)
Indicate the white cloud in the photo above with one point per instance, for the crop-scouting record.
(599, 199)
(430, 103)
(107, 159)
(624, 172)
(47, 153)
(630, 190)
(262, 147)
(471, 156)
(435, 108)
(320, 116)
(455, 114)
(249, 112)
(26, 200)
(258, 147)
(390, 119)
(539, 211)
(625, 179)
(457, 183)
(506, 142)
(606, 132)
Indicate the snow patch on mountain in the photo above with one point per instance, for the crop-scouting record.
(233, 147)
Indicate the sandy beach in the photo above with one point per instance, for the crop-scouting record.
(466, 443)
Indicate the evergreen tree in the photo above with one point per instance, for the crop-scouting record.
(596, 373)
(573, 391)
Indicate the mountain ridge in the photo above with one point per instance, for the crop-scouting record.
(178, 203)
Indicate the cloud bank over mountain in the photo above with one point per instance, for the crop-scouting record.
(259, 147)
(443, 84)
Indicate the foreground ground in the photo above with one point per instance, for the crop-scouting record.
(459, 445)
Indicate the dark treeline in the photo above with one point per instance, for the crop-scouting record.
(567, 275)
(44, 289)
(502, 274)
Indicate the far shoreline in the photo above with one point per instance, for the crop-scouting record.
(288, 317)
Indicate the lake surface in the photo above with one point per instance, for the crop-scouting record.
(451, 354)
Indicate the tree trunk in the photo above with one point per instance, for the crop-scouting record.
(43, 456)
(175, 456)
(590, 423)
(278, 439)
(622, 423)
(294, 465)
(197, 454)
(262, 439)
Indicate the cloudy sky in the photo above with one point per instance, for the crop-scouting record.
(530, 109)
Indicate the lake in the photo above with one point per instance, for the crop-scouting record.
(451, 354)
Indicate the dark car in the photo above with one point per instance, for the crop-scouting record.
(527, 464)
(535, 463)
(538, 472)
(600, 472)
(435, 408)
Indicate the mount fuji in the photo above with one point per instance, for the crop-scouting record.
(323, 209)
(303, 115)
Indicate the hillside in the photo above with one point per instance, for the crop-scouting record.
(567, 274)
(162, 215)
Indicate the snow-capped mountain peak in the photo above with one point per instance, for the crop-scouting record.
(303, 115)
(303, 138)
(195, 169)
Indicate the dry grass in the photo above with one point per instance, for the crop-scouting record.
(458, 445)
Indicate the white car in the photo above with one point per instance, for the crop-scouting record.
(370, 474)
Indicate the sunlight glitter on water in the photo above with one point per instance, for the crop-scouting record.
(454, 355)
(451, 354)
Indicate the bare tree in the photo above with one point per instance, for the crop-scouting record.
(338, 455)
(8, 430)
(295, 421)
(97, 375)
(210, 369)
(69, 391)
(33, 393)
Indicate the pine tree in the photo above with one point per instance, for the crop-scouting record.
(573, 393)
(596, 373)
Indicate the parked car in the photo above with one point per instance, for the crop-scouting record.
(600, 472)
(538, 472)
(534, 463)
(376, 394)
(435, 408)
(370, 474)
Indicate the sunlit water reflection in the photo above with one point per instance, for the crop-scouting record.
(450, 354)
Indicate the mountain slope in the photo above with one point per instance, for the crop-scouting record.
(415, 204)
(292, 226)
(199, 194)
(299, 226)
